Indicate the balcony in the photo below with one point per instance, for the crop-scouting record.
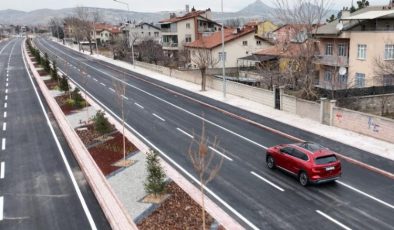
(170, 45)
(169, 30)
(206, 29)
(332, 60)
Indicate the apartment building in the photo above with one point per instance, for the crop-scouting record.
(177, 31)
(350, 48)
(237, 43)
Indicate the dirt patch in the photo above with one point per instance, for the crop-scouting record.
(42, 73)
(62, 102)
(110, 152)
(51, 84)
(177, 212)
(88, 136)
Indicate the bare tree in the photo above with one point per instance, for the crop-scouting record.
(150, 51)
(84, 24)
(206, 167)
(204, 59)
(304, 16)
(119, 46)
(120, 89)
(56, 24)
(96, 17)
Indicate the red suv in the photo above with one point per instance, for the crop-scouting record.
(308, 161)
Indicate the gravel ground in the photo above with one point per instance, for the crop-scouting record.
(128, 185)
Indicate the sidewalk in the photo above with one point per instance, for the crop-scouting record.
(366, 143)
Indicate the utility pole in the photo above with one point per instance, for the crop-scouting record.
(223, 56)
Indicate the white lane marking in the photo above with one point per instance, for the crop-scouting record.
(5, 114)
(6, 84)
(2, 170)
(6, 97)
(1, 207)
(367, 195)
(6, 91)
(221, 154)
(102, 84)
(3, 144)
(267, 181)
(88, 76)
(157, 116)
(184, 132)
(167, 102)
(4, 126)
(6, 79)
(135, 103)
(149, 143)
(333, 220)
(95, 79)
(112, 90)
(5, 105)
(125, 97)
(69, 171)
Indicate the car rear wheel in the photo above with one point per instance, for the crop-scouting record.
(303, 178)
(270, 162)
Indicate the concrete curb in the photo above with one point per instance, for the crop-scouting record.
(212, 208)
(113, 209)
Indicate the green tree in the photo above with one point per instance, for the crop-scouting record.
(46, 63)
(64, 86)
(362, 4)
(353, 9)
(77, 97)
(101, 123)
(155, 181)
(54, 74)
(331, 19)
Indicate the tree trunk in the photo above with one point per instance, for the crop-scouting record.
(203, 79)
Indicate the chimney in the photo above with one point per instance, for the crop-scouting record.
(187, 8)
(172, 15)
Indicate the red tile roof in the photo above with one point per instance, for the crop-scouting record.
(215, 39)
(281, 50)
(189, 15)
(102, 26)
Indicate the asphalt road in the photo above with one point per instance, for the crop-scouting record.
(257, 197)
(41, 185)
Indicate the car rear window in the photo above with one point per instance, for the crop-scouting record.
(325, 159)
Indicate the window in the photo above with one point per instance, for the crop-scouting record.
(342, 51)
(325, 160)
(362, 52)
(156, 34)
(342, 79)
(389, 52)
(149, 34)
(287, 150)
(221, 55)
(313, 147)
(328, 76)
(388, 79)
(187, 25)
(258, 42)
(188, 38)
(329, 49)
(300, 155)
(387, 27)
(360, 80)
(244, 43)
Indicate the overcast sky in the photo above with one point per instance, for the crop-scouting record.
(144, 5)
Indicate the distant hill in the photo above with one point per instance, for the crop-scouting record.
(255, 10)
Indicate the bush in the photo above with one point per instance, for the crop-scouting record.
(46, 63)
(101, 123)
(70, 102)
(64, 86)
(155, 183)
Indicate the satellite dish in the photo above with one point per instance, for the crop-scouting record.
(342, 71)
(339, 26)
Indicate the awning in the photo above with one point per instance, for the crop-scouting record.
(370, 15)
(258, 58)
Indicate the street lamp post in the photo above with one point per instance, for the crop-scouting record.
(223, 56)
(128, 36)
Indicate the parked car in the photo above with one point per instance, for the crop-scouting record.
(308, 161)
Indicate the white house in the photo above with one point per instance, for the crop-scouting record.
(237, 43)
